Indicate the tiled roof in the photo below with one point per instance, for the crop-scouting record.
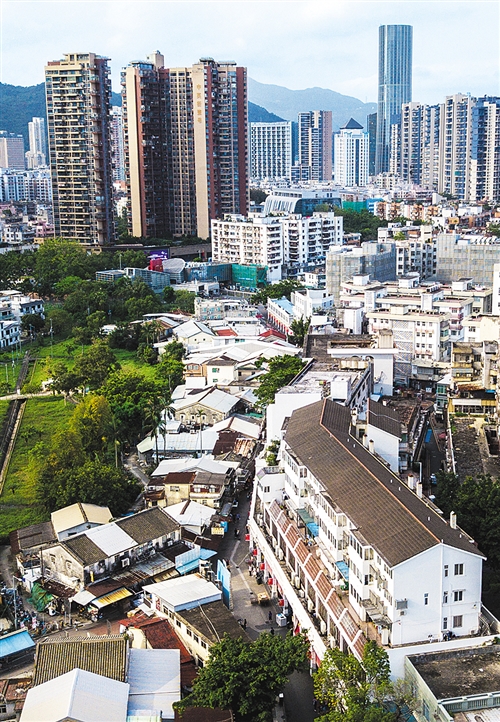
(32, 536)
(84, 549)
(147, 525)
(101, 655)
(213, 615)
(392, 518)
(384, 418)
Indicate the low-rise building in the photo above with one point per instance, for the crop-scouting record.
(345, 520)
(103, 550)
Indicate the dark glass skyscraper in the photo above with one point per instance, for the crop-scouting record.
(394, 85)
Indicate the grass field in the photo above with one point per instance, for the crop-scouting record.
(42, 417)
(67, 353)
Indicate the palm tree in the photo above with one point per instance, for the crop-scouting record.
(154, 419)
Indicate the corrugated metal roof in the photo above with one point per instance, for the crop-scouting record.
(154, 676)
(111, 539)
(111, 598)
(15, 642)
(184, 592)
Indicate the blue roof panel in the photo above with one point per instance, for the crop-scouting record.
(15, 642)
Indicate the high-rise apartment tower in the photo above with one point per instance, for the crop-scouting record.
(270, 150)
(37, 154)
(351, 155)
(394, 85)
(11, 151)
(315, 144)
(78, 92)
(186, 155)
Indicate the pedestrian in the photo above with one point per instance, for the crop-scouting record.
(270, 616)
(272, 631)
(237, 517)
(244, 624)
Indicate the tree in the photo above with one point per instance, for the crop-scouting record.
(183, 301)
(63, 380)
(354, 691)
(32, 323)
(299, 328)
(128, 393)
(283, 289)
(245, 677)
(281, 370)
(92, 483)
(362, 222)
(91, 420)
(257, 195)
(96, 364)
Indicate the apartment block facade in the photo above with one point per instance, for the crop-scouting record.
(291, 240)
(352, 551)
(270, 150)
(315, 144)
(352, 147)
(78, 94)
(11, 151)
(185, 145)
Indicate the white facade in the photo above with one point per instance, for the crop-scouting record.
(273, 241)
(255, 240)
(351, 155)
(417, 335)
(411, 594)
(307, 239)
(310, 302)
(270, 150)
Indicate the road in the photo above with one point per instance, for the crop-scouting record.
(244, 588)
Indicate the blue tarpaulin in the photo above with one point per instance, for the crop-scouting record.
(15, 642)
(343, 569)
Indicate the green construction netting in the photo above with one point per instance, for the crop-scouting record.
(40, 598)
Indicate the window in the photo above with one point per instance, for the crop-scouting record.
(425, 710)
(203, 644)
(445, 597)
(196, 638)
(189, 633)
(458, 621)
(459, 570)
(446, 570)
(426, 599)
(458, 596)
(177, 623)
(445, 622)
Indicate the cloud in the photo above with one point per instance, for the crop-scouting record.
(332, 44)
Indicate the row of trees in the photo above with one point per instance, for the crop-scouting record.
(246, 678)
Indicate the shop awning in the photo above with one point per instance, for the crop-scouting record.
(83, 598)
(343, 569)
(111, 598)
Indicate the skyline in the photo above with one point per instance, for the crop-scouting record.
(335, 44)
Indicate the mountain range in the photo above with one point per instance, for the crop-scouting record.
(267, 103)
(289, 103)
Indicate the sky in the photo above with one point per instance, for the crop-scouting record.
(302, 44)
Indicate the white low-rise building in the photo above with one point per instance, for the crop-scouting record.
(352, 550)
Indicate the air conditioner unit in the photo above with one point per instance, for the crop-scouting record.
(281, 554)
(296, 582)
(322, 627)
(260, 519)
(301, 593)
(310, 605)
(402, 612)
(126, 562)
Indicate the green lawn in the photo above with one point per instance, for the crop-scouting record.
(66, 352)
(42, 417)
(4, 405)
